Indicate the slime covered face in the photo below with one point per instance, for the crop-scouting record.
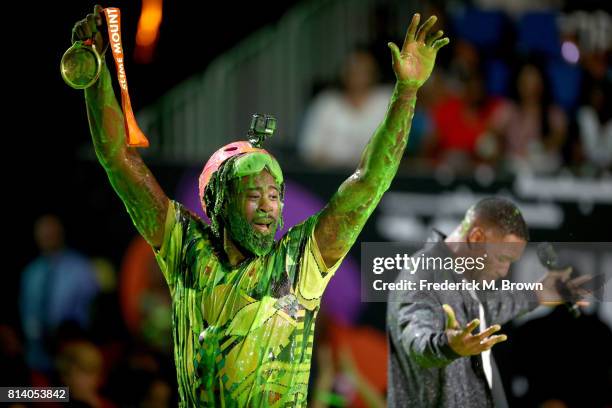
(245, 195)
(253, 212)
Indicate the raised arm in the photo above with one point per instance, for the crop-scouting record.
(132, 180)
(343, 218)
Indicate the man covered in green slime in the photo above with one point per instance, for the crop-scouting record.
(244, 306)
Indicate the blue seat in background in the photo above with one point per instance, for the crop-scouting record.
(497, 77)
(565, 80)
(483, 28)
(538, 33)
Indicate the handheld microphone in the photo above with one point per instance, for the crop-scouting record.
(549, 259)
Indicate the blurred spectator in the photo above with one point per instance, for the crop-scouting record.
(594, 119)
(159, 395)
(462, 122)
(339, 123)
(143, 378)
(464, 64)
(56, 287)
(79, 365)
(422, 129)
(532, 128)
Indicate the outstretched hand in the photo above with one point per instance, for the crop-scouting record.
(414, 63)
(463, 342)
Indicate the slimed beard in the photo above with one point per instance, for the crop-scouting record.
(243, 233)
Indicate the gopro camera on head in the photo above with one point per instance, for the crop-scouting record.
(262, 127)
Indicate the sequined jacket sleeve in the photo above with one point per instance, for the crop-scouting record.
(421, 323)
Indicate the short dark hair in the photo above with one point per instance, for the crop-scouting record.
(502, 214)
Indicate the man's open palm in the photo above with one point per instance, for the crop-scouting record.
(461, 339)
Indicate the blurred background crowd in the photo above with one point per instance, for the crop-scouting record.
(518, 105)
(520, 90)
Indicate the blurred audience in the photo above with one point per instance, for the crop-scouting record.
(532, 127)
(594, 120)
(422, 130)
(507, 117)
(158, 395)
(80, 368)
(143, 379)
(462, 123)
(339, 123)
(57, 287)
